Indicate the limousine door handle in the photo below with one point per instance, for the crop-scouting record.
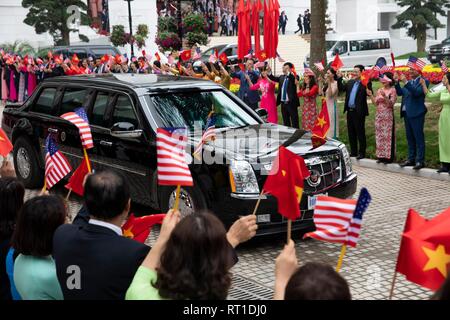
(52, 130)
(106, 143)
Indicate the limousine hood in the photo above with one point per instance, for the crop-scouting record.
(260, 143)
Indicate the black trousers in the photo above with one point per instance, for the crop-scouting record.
(290, 115)
(356, 126)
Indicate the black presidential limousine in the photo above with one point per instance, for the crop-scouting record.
(124, 112)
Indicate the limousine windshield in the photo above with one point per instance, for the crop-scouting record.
(189, 109)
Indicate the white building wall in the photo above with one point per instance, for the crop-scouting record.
(13, 28)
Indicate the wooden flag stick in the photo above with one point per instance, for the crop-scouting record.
(68, 194)
(391, 293)
(289, 230)
(341, 257)
(177, 198)
(258, 202)
(86, 158)
(44, 188)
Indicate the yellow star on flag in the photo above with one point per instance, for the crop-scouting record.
(1, 139)
(283, 172)
(437, 259)
(299, 192)
(321, 121)
(127, 233)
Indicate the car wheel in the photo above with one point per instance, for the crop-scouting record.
(26, 164)
(191, 200)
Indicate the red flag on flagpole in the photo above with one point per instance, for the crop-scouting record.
(274, 20)
(243, 30)
(321, 127)
(267, 27)
(76, 180)
(337, 63)
(138, 228)
(286, 181)
(5, 145)
(256, 9)
(424, 255)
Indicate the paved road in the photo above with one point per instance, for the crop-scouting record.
(369, 267)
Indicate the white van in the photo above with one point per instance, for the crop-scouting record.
(358, 48)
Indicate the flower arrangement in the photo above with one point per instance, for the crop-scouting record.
(168, 41)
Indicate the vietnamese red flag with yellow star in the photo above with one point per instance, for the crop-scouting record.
(321, 127)
(424, 256)
(5, 145)
(286, 181)
(256, 9)
(261, 55)
(138, 228)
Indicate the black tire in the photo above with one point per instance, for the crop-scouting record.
(194, 192)
(24, 149)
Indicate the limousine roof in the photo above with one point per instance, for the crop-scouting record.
(149, 82)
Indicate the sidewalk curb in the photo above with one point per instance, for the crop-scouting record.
(395, 168)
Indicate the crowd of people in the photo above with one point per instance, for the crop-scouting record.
(44, 256)
(260, 88)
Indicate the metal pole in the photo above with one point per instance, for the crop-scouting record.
(130, 21)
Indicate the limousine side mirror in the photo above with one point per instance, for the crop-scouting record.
(262, 113)
(125, 130)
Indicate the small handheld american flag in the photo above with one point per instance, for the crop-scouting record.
(208, 135)
(332, 218)
(79, 118)
(444, 67)
(414, 62)
(319, 66)
(354, 230)
(171, 157)
(56, 164)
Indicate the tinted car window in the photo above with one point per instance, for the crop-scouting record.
(44, 103)
(99, 109)
(100, 52)
(124, 112)
(190, 109)
(81, 53)
(73, 98)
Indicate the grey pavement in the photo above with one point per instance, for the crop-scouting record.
(369, 267)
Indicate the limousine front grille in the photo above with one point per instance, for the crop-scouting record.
(326, 172)
(436, 51)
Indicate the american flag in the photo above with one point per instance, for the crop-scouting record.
(250, 54)
(414, 62)
(319, 66)
(354, 230)
(208, 135)
(444, 66)
(339, 220)
(197, 54)
(332, 218)
(307, 70)
(56, 164)
(382, 67)
(172, 167)
(79, 118)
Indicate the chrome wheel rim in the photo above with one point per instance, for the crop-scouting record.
(185, 205)
(23, 163)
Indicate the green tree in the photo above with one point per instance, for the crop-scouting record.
(319, 27)
(419, 16)
(20, 47)
(52, 17)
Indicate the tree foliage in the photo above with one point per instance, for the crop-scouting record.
(319, 27)
(419, 16)
(52, 17)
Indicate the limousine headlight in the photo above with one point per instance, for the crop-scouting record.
(347, 159)
(243, 178)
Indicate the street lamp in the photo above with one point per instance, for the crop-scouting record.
(130, 21)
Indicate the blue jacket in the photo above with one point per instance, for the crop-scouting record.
(244, 90)
(413, 98)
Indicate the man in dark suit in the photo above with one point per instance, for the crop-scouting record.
(357, 111)
(287, 95)
(413, 111)
(93, 260)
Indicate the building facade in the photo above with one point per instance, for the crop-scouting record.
(12, 27)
